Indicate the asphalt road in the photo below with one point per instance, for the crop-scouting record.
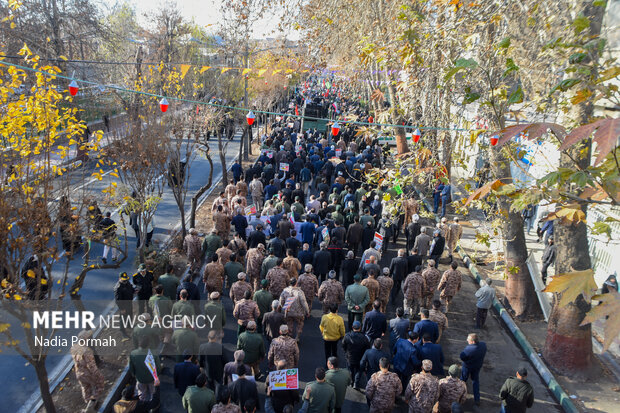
(19, 380)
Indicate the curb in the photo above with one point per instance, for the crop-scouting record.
(115, 392)
(555, 388)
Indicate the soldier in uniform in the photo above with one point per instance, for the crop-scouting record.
(423, 390)
(238, 289)
(123, 296)
(382, 388)
(193, 250)
(373, 288)
(309, 284)
(214, 310)
(210, 244)
(221, 222)
(436, 316)
(224, 404)
(411, 208)
(451, 390)
(213, 275)
(412, 292)
(242, 188)
(295, 308)
(224, 253)
(254, 261)
(230, 190)
(444, 227)
(450, 284)
(257, 190)
(88, 375)
(284, 348)
(356, 296)
(431, 276)
(278, 278)
(455, 231)
(291, 264)
(236, 201)
(331, 292)
(245, 310)
(385, 287)
(264, 299)
(221, 201)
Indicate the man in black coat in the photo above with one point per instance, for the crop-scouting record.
(257, 237)
(437, 246)
(240, 223)
(243, 389)
(123, 295)
(370, 360)
(375, 322)
(322, 262)
(185, 374)
(213, 359)
(548, 259)
(413, 261)
(143, 281)
(349, 268)
(411, 231)
(398, 269)
(355, 345)
(305, 256)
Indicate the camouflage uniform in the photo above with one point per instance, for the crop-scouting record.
(213, 277)
(254, 259)
(431, 280)
(440, 318)
(309, 285)
(411, 208)
(243, 187)
(234, 202)
(238, 244)
(193, 249)
(381, 390)
(90, 378)
(283, 348)
(221, 224)
(246, 310)
(226, 408)
(373, 290)
(223, 255)
(422, 393)
(454, 235)
(277, 278)
(385, 287)
(412, 293)
(449, 285)
(230, 191)
(331, 292)
(292, 265)
(296, 312)
(223, 202)
(238, 289)
(451, 389)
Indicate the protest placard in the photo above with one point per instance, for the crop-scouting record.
(284, 167)
(284, 379)
(250, 209)
(378, 240)
(338, 152)
(149, 360)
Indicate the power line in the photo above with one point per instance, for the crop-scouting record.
(198, 102)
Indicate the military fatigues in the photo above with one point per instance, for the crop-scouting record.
(411, 208)
(254, 259)
(243, 187)
(90, 378)
(440, 318)
(223, 255)
(277, 278)
(238, 289)
(223, 202)
(309, 285)
(213, 277)
(193, 249)
(283, 348)
(451, 390)
(226, 408)
(385, 287)
(331, 292)
(449, 285)
(221, 224)
(381, 390)
(373, 290)
(452, 238)
(245, 310)
(230, 191)
(412, 293)
(292, 265)
(431, 281)
(422, 393)
(296, 311)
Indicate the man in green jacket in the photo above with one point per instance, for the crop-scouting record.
(254, 347)
(232, 269)
(211, 244)
(517, 393)
(264, 299)
(320, 394)
(183, 306)
(159, 303)
(153, 334)
(146, 383)
(170, 282)
(340, 379)
(215, 313)
(185, 340)
(356, 296)
(268, 263)
(199, 398)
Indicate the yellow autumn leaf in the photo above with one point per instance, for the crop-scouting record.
(609, 307)
(572, 284)
(17, 297)
(4, 327)
(387, 197)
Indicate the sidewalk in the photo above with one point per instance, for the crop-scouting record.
(599, 392)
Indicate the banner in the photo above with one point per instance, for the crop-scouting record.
(378, 240)
(325, 233)
(339, 152)
(284, 167)
(289, 302)
(250, 209)
(149, 360)
(284, 379)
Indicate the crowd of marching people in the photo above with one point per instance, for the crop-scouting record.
(302, 226)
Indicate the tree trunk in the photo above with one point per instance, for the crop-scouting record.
(220, 148)
(197, 195)
(568, 346)
(399, 132)
(520, 291)
(44, 385)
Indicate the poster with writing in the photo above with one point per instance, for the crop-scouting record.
(325, 234)
(269, 154)
(284, 167)
(284, 379)
(378, 240)
(149, 360)
(289, 302)
(250, 209)
(339, 152)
